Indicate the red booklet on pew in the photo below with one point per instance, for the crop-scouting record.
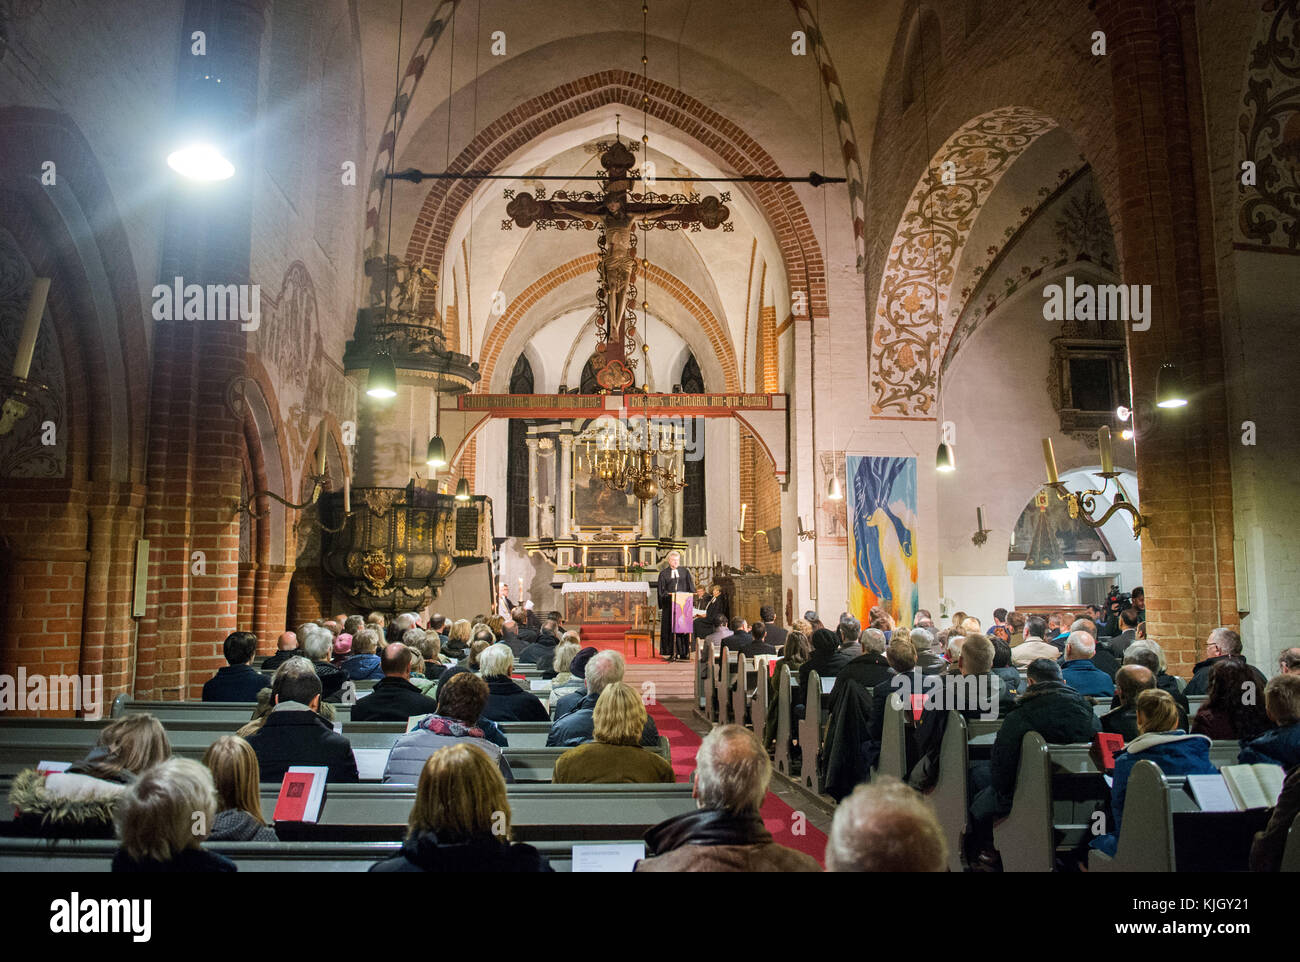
(301, 794)
(1107, 744)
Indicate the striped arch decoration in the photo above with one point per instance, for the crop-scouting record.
(908, 331)
(848, 140)
(396, 116)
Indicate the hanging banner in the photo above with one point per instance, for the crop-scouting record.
(881, 495)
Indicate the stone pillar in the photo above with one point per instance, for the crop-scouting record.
(564, 496)
(532, 488)
(1183, 457)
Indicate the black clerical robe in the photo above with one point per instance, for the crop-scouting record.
(671, 643)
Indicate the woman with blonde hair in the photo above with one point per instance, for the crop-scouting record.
(458, 638)
(1160, 740)
(616, 755)
(79, 802)
(162, 818)
(236, 774)
(461, 820)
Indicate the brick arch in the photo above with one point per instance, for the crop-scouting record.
(495, 341)
(501, 138)
(909, 326)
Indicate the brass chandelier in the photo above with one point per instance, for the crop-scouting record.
(624, 458)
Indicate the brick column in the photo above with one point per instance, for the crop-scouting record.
(1184, 477)
(196, 436)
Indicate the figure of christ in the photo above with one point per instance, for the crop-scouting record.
(618, 266)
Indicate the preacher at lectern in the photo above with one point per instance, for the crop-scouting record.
(674, 583)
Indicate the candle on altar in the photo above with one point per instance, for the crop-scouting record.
(31, 327)
(521, 589)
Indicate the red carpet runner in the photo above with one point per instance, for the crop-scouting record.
(777, 815)
(612, 636)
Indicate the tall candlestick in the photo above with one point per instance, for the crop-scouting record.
(743, 506)
(31, 327)
(521, 590)
(979, 518)
(347, 495)
(1103, 442)
(1049, 458)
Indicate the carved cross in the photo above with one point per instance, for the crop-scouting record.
(617, 214)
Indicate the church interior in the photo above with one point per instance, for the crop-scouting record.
(901, 328)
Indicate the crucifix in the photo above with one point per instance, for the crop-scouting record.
(616, 214)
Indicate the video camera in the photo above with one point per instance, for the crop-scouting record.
(1117, 601)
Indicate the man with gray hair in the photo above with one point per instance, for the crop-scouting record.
(507, 702)
(869, 669)
(318, 645)
(726, 833)
(1222, 643)
(927, 660)
(1079, 672)
(294, 734)
(1102, 657)
(849, 631)
(575, 714)
(885, 826)
(1149, 655)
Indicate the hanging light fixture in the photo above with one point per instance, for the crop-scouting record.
(437, 453)
(834, 492)
(382, 381)
(462, 490)
(201, 149)
(943, 459)
(1170, 391)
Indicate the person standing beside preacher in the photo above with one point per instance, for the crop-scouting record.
(673, 579)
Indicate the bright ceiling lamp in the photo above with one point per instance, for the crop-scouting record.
(834, 492)
(200, 161)
(1170, 392)
(436, 456)
(943, 459)
(462, 490)
(382, 381)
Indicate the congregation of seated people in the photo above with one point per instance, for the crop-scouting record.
(451, 680)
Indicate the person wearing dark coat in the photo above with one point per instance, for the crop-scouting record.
(1225, 714)
(1222, 643)
(294, 734)
(238, 681)
(542, 651)
(1130, 682)
(827, 658)
(577, 725)
(673, 579)
(394, 698)
(718, 606)
(510, 638)
(1051, 708)
(774, 633)
(461, 830)
(286, 648)
(506, 700)
(867, 671)
(758, 644)
(1282, 744)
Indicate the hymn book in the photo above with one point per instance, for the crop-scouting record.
(1237, 788)
(301, 794)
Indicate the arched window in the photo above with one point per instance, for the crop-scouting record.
(693, 504)
(517, 507)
